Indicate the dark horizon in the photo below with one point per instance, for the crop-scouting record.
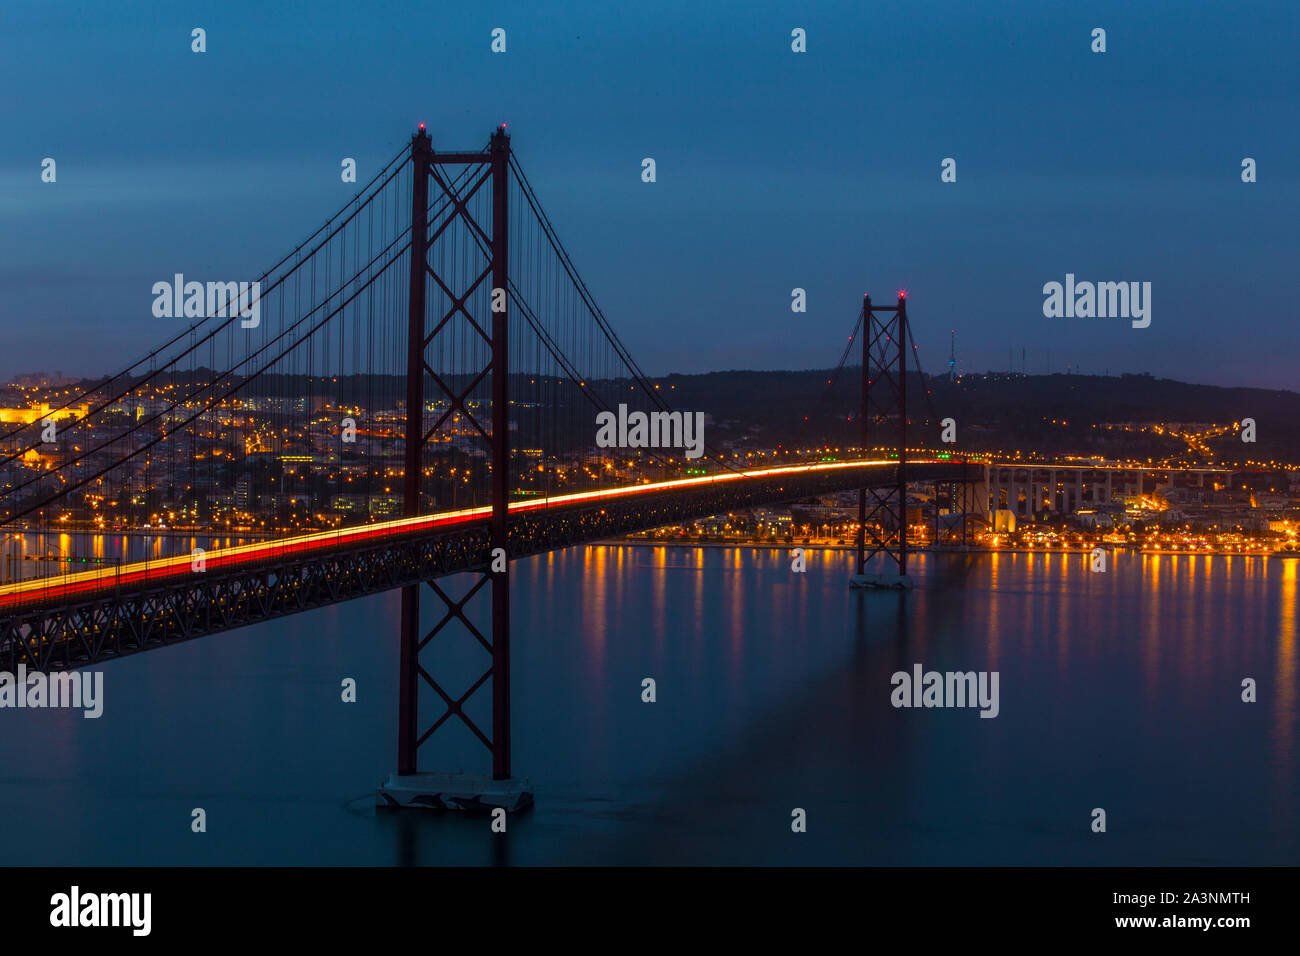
(937, 376)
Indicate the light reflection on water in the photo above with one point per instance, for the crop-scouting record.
(1120, 690)
(32, 555)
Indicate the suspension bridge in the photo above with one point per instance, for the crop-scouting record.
(406, 399)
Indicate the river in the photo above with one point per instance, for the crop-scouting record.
(1119, 690)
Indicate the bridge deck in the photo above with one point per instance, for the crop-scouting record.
(72, 620)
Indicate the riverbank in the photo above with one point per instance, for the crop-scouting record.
(947, 549)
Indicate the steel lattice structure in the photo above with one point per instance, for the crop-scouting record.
(493, 240)
(884, 395)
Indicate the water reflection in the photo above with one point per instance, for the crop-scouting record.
(1285, 683)
(773, 691)
(36, 554)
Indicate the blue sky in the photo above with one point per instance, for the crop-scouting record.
(775, 169)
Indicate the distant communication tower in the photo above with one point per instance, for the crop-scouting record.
(952, 358)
